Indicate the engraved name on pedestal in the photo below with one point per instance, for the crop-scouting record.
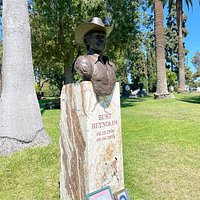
(91, 141)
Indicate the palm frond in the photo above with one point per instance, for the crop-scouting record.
(171, 2)
(189, 3)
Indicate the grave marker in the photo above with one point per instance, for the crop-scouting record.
(91, 141)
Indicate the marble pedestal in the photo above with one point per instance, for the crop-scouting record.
(90, 141)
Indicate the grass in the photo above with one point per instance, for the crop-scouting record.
(161, 141)
(161, 145)
(34, 173)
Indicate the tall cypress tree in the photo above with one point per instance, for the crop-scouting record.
(171, 41)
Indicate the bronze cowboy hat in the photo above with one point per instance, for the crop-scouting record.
(95, 24)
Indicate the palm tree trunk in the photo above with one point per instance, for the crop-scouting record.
(20, 117)
(179, 10)
(161, 90)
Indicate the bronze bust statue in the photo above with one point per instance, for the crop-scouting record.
(94, 66)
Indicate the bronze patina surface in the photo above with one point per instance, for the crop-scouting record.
(94, 66)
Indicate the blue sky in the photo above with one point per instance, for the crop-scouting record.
(192, 41)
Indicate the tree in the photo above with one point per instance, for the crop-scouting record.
(20, 120)
(196, 61)
(188, 75)
(181, 53)
(125, 43)
(171, 78)
(171, 42)
(149, 48)
(48, 48)
(53, 74)
(151, 65)
(53, 26)
(161, 86)
(181, 67)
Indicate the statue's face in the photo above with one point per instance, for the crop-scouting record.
(97, 41)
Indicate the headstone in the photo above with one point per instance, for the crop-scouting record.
(91, 141)
(126, 90)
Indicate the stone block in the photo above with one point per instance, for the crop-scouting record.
(90, 141)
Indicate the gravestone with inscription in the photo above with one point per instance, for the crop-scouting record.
(91, 141)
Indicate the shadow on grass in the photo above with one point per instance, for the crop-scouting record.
(42, 110)
(128, 102)
(193, 99)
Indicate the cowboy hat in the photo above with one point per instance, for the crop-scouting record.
(95, 24)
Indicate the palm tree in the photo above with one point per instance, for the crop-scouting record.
(20, 119)
(161, 89)
(181, 67)
(181, 53)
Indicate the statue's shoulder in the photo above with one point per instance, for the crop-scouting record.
(82, 60)
(83, 66)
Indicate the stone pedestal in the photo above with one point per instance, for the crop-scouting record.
(90, 142)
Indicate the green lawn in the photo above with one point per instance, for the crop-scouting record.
(33, 174)
(161, 144)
